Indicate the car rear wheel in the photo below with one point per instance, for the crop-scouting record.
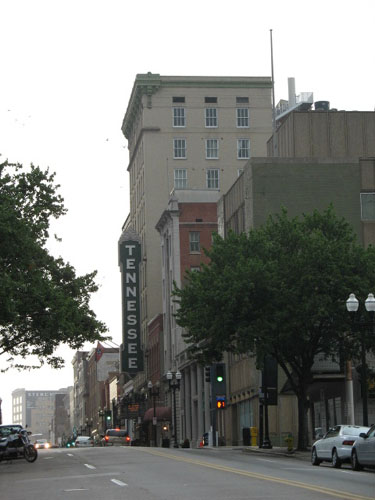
(314, 457)
(336, 462)
(354, 460)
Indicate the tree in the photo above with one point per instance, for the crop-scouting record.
(43, 303)
(279, 290)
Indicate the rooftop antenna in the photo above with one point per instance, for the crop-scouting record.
(273, 102)
(273, 88)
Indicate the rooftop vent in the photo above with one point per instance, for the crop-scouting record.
(321, 106)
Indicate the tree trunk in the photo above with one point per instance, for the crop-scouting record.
(303, 407)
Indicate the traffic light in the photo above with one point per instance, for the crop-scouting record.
(219, 378)
(220, 373)
(218, 386)
(220, 402)
(108, 417)
(207, 374)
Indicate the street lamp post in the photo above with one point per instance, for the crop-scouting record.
(101, 416)
(88, 425)
(266, 441)
(154, 393)
(174, 380)
(352, 306)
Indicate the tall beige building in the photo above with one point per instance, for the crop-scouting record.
(186, 132)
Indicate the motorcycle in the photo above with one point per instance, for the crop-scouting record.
(17, 445)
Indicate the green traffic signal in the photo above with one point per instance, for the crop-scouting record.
(220, 373)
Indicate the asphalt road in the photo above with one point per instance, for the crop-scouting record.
(133, 473)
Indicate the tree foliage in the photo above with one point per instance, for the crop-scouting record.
(279, 290)
(43, 303)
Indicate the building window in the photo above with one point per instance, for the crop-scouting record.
(243, 148)
(195, 268)
(180, 178)
(242, 100)
(213, 178)
(367, 206)
(211, 117)
(194, 242)
(212, 148)
(242, 117)
(178, 99)
(179, 117)
(179, 148)
(210, 100)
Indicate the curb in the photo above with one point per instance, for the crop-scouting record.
(299, 455)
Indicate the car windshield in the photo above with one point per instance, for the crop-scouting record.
(353, 431)
(5, 430)
(117, 433)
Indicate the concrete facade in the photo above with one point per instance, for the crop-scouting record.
(80, 388)
(36, 410)
(164, 113)
(302, 183)
(101, 362)
(324, 134)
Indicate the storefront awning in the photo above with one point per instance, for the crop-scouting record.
(162, 413)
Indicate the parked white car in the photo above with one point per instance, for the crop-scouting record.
(336, 445)
(363, 451)
(82, 441)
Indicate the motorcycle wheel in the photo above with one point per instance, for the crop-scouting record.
(31, 454)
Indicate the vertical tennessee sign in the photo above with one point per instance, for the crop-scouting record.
(129, 259)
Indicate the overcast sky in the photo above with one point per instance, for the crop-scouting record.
(67, 70)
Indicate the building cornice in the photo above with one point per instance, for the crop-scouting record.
(148, 84)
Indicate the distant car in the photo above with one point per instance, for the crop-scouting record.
(83, 441)
(336, 445)
(116, 437)
(363, 451)
(42, 444)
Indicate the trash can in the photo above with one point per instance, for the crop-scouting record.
(254, 435)
(205, 439)
(165, 443)
(246, 436)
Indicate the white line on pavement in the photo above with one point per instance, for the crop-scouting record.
(47, 458)
(117, 481)
(90, 466)
(64, 478)
(77, 489)
(70, 454)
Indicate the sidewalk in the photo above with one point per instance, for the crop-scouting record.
(274, 451)
(278, 451)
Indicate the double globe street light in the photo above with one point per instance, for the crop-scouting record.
(154, 391)
(352, 305)
(174, 380)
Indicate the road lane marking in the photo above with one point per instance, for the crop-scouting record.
(266, 460)
(90, 466)
(70, 454)
(77, 489)
(343, 495)
(118, 482)
(47, 458)
(80, 476)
